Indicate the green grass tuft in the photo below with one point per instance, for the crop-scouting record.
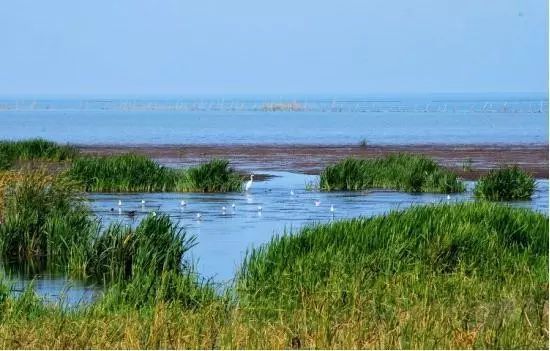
(402, 172)
(504, 184)
(214, 176)
(135, 173)
(34, 149)
(44, 222)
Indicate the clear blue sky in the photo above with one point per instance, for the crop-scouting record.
(284, 46)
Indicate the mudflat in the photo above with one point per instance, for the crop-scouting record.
(469, 161)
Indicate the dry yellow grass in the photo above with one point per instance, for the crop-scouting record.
(12, 177)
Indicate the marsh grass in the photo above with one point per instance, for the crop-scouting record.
(504, 184)
(402, 172)
(135, 173)
(214, 176)
(34, 149)
(468, 275)
(44, 222)
(464, 275)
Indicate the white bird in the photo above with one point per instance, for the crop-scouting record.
(292, 193)
(119, 203)
(199, 216)
(233, 205)
(448, 197)
(154, 214)
(259, 208)
(317, 203)
(332, 208)
(223, 209)
(142, 202)
(183, 203)
(249, 183)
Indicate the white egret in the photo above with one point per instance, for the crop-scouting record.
(119, 203)
(199, 216)
(291, 192)
(249, 183)
(154, 214)
(448, 197)
(331, 208)
(223, 209)
(233, 205)
(317, 203)
(183, 203)
(142, 202)
(259, 208)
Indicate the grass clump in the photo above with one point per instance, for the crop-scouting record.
(214, 176)
(402, 172)
(44, 222)
(146, 264)
(472, 275)
(135, 173)
(504, 184)
(34, 149)
(129, 173)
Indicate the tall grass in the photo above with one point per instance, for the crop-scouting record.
(135, 173)
(44, 222)
(127, 172)
(403, 172)
(465, 275)
(503, 184)
(32, 149)
(214, 176)
(146, 264)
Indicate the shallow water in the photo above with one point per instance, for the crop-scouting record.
(224, 237)
(443, 119)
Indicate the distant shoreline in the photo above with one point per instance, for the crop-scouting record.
(468, 160)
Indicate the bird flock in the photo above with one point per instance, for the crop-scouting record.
(224, 209)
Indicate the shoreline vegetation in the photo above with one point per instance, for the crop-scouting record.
(135, 173)
(401, 172)
(463, 275)
(466, 275)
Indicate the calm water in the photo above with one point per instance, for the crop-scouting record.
(224, 237)
(283, 120)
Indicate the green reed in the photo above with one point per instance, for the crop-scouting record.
(504, 184)
(44, 222)
(416, 278)
(403, 172)
(135, 173)
(214, 176)
(34, 149)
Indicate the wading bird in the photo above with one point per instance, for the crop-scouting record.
(249, 183)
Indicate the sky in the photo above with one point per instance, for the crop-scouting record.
(106, 47)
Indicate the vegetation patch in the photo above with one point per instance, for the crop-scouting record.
(34, 149)
(442, 276)
(135, 173)
(402, 172)
(44, 222)
(505, 184)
